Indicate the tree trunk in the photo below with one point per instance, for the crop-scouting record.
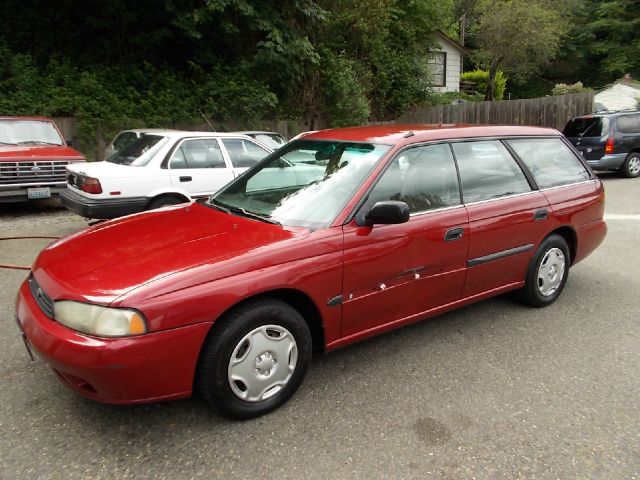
(493, 69)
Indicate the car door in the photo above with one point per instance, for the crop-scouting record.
(242, 153)
(507, 217)
(397, 272)
(198, 166)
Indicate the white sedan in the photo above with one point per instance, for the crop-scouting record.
(160, 168)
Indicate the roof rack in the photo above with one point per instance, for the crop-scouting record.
(618, 111)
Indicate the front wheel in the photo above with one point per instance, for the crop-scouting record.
(547, 273)
(631, 166)
(254, 359)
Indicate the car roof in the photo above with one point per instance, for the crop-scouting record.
(609, 113)
(257, 132)
(149, 130)
(189, 133)
(407, 133)
(40, 119)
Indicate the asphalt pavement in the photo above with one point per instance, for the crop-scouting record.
(494, 390)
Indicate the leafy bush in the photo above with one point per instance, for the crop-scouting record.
(564, 89)
(481, 77)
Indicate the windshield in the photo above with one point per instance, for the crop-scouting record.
(272, 141)
(305, 184)
(587, 127)
(140, 152)
(29, 132)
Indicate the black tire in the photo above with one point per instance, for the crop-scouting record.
(213, 376)
(165, 201)
(631, 166)
(532, 293)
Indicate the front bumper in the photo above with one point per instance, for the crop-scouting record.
(608, 162)
(19, 192)
(103, 208)
(157, 366)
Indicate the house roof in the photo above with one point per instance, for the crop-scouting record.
(442, 36)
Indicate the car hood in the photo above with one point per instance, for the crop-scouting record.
(106, 261)
(38, 152)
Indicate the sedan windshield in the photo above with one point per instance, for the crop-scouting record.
(305, 184)
(140, 152)
(28, 132)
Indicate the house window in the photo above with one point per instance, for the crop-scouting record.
(437, 65)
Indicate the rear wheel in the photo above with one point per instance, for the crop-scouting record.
(631, 166)
(547, 273)
(254, 359)
(165, 201)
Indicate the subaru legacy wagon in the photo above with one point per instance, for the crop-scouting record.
(338, 236)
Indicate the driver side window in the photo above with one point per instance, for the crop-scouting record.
(424, 178)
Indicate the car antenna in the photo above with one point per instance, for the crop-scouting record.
(206, 120)
(410, 133)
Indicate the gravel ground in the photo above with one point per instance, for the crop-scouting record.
(491, 391)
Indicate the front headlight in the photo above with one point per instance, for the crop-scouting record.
(99, 321)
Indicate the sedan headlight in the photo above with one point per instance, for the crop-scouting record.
(99, 321)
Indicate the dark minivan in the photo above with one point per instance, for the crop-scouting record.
(608, 140)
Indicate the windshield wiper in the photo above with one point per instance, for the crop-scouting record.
(254, 215)
(218, 206)
(247, 213)
(7, 143)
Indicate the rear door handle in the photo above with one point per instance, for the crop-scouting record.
(454, 233)
(541, 214)
(185, 179)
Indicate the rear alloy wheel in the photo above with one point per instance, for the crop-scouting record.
(254, 359)
(547, 273)
(631, 166)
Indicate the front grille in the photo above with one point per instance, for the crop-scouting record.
(33, 171)
(42, 299)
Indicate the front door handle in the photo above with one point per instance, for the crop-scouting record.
(185, 179)
(541, 214)
(454, 233)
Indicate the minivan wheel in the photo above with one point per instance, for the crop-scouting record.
(254, 359)
(631, 166)
(547, 273)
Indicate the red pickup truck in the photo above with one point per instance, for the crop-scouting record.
(33, 159)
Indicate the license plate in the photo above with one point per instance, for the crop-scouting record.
(33, 193)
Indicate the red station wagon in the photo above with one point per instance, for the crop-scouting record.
(338, 236)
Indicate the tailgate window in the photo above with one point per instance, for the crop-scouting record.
(587, 127)
(550, 161)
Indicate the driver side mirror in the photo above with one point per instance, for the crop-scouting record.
(387, 213)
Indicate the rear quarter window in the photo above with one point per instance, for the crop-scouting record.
(628, 124)
(550, 161)
(487, 171)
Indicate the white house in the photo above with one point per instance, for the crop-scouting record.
(445, 64)
(622, 95)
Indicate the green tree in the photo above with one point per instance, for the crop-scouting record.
(515, 36)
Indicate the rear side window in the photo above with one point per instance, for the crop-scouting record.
(587, 127)
(628, 124)
(550, 161)
(424, 178)
(487, 170)
(197, 153)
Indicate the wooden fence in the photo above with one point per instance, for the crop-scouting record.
(543, 112)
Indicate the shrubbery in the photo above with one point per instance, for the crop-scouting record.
(564, 89)
(481, 77)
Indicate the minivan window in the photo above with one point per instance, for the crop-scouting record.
(424, 178)
(550, 161)
(628, 123)
(587, 127)
(487, 170)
